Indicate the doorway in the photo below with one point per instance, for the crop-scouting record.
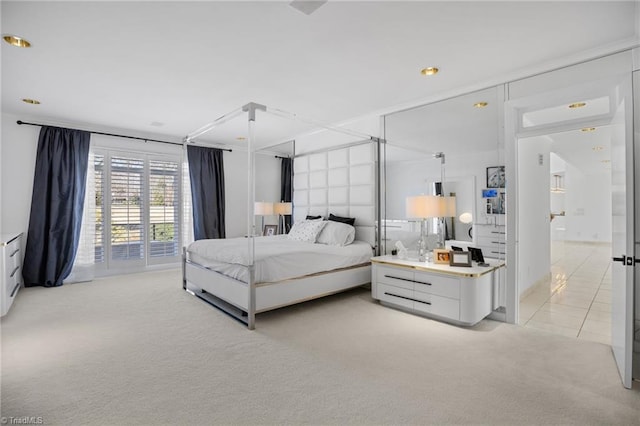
(567, 178)
(549, 114)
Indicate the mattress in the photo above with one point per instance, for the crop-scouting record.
(277, 258)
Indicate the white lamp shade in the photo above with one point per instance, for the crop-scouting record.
(282, 208)
(426, 206)
(262, 208)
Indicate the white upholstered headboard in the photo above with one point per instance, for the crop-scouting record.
(340, 181)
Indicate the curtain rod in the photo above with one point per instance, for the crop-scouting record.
(118, 136)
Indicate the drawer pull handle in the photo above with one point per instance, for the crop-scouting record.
(14, 253)
(15, 290)
(398, 278)
(406, 279)
(14, 271)
(406, 298)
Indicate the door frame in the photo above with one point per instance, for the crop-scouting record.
(514, 131)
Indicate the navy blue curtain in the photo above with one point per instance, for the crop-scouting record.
(286, 187)
(206, 171)
(56, 206)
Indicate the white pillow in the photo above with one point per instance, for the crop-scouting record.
(337, 234)
(306, 230)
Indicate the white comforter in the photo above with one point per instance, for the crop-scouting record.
(277, 258)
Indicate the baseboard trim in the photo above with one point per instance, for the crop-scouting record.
(543, 279)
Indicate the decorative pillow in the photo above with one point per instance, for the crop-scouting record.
(309, 217)
(306, 230)
(336, 234)
(348, 220)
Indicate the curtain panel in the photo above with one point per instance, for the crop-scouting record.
(206, 173)
(286, 187)
(56, 205)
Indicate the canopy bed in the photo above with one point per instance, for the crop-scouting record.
(246, 276)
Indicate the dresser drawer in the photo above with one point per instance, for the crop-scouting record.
(12, 255)
(490, 231)
(493, 252)
(491, 241)
(398, 277)
(437, 284)
(396, 295)
(436, 305)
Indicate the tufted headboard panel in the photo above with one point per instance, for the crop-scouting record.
(340, 181)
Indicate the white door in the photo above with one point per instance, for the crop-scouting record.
(622, 193)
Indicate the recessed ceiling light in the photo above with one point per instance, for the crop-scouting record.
(31, 101)
(606, 161)
(598, 148)
(429, 71)
(577, 105)
(241, 138)
(16, 41)
(588, 129)
(480, 104)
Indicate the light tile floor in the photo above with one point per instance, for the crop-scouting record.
(576, 300)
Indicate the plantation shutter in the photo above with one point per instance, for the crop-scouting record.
(164, 212)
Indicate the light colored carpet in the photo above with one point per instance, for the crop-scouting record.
(137, 349)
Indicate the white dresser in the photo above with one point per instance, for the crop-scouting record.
(11, 269)
(459, 295)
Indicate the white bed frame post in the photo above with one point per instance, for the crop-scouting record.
(251, 108)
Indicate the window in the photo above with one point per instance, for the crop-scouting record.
(137, 210)
(163, 208)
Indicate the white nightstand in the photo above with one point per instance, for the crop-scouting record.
(458, 295)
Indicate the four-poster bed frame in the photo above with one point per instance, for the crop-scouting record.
(351, 189)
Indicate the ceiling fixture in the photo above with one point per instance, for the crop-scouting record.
(606, 161)
(577, 105)
(588, 129)
(429, 71)
(480, 104)
(241, 138)
(16, 41)
(598, 148)
(31, 101)
(307, 6)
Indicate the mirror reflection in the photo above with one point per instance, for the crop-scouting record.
(445, 148)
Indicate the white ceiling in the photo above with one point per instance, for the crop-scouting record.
(126, 65)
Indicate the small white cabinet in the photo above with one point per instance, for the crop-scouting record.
(492, 239)
(11, 269)
(458, 295)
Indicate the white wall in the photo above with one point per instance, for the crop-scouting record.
(19, 145)
(534, 208)
(587, 205)
(362, 127)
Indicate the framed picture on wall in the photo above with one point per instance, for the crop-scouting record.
(270, 230)
(495, 177)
